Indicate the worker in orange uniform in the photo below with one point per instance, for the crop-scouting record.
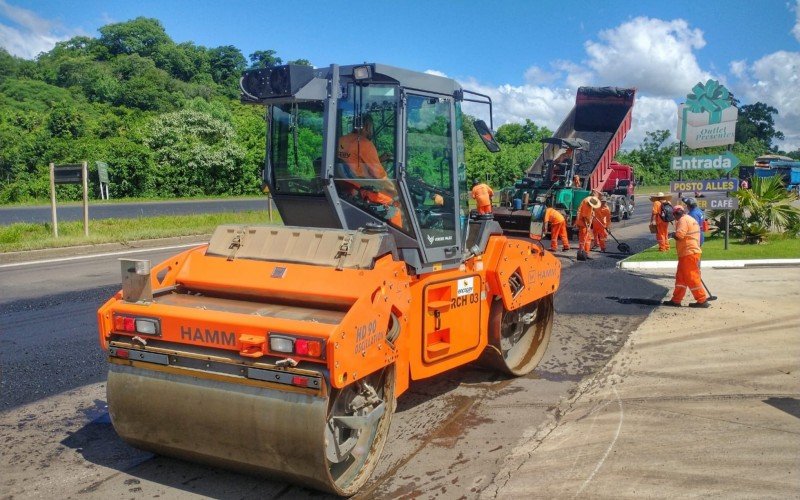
(601, 223)
(584, 223)
(558, 228)
(361, 158)
(661, 206)
(483, 197)
(687, 238)
(576, 181)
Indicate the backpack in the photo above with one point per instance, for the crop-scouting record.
(666, 212)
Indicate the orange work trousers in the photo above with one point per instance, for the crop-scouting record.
(584, 236)
(484, 209)
(558, 230)
(662, 237)
(688, 277)
(600, 235)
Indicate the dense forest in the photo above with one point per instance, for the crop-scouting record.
(167, 120)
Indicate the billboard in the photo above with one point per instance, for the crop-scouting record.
(707, 118)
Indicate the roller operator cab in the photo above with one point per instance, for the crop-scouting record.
(285, 348)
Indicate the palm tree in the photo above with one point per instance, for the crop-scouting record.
(765, 207)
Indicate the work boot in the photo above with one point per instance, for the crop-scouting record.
(670, 303)
(702, 305)
(582, 255)
(565, 249)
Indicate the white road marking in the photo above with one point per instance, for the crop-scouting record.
(95, 255)
(610, 446)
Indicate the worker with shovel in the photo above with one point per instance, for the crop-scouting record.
(584, 223)
(601, 223)
(687, 237)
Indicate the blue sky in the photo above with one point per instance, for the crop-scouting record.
(530, 56)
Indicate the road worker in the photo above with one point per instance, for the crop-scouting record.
(583, 222)
(554, 220)
(483, 197)
(576, 181)
(360, 157)
(601, 223)
(697, 214)
(687, 238)
(660, 217)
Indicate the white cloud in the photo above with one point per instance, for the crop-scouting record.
(25, 34)
(513, 104)
(774, 80)
(654, 55)
(537, 76)
(651, 114)
(435, 72)
(796, 29)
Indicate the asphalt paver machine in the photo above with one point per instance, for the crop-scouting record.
(282, 350)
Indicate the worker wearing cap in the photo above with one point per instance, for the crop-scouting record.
(584, 220)
(687, 238)
(558, 228)
(696, 214)
(483, 197)
(601, 223)
(662, 226)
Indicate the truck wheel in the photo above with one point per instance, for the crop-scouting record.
(518, 339)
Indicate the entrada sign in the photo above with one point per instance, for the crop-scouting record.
(725, 161)
(704, 185)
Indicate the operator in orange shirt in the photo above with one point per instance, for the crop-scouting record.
(687, 237)
(360, 156)
(662, 226)
(583, 222)
(558, 228)
(601, 223)
(483, 197)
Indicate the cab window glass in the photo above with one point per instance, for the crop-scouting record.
(429, 168)
(296, 147)
(366, 144)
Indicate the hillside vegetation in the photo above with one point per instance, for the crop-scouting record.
(166, 118)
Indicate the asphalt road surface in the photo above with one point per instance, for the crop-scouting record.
(73, 212)
(449, 436)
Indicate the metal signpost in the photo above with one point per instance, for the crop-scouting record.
(102, 177)
(74, 173)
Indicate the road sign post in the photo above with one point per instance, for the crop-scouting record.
(85, 176)
(69, 174)
(54, 215)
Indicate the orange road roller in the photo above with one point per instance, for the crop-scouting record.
(282, 350)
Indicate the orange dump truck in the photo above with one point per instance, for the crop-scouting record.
(282, 350)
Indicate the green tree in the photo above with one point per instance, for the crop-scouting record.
(196, 154)
(521, 133)
(264, 59)
(143, 36)
(756, 121)
(66, 121)
(301, 62)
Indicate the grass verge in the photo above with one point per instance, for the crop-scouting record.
(26, 236)
(145, 199)
(776, 247)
